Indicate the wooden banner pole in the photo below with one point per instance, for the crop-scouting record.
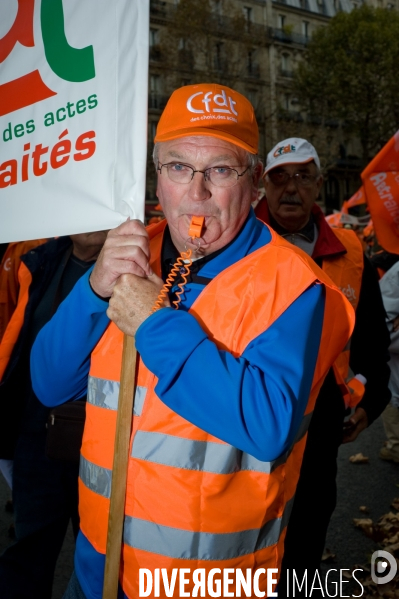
(119, 469)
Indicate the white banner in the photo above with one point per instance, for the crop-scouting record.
(73, 115)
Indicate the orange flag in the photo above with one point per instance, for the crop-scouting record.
(381, 186)
(334, 220)
(357, 199)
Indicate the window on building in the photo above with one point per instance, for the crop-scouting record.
(305, 28)
(218, 56)
(152, 130)
(286, 101)
(252, 95)
(250, 62)
(154, 96)
(280, 21)
(247, 13)
(218, 10)
(285, 62)
(248, 16)
(154, 37)
(155, 84)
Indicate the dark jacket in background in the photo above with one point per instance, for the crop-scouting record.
(42, 262)
(316, 493)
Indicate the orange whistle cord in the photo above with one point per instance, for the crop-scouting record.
(171, 277)
(194, 231)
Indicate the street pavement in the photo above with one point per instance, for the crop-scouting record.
(373, 485)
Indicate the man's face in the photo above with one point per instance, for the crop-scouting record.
(224, 208)
(291, 203)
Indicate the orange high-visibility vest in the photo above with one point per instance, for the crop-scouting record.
(14, 326)
(192, 500)
(9, 278)
(346, 272)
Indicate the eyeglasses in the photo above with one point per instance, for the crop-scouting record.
(220, 176)
(280, 178)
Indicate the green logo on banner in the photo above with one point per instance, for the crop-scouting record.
(68, 63)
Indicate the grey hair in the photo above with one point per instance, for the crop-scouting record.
(155, 154)
(252, 159)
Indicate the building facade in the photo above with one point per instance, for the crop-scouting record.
(253, 46)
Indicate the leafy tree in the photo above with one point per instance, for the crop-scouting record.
(350, 71)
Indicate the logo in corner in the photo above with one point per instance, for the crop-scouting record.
(380, 560)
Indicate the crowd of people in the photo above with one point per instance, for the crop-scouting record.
(254, 366)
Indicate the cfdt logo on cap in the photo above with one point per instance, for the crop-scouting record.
(284, 150)
(218, 103)
(383, 567)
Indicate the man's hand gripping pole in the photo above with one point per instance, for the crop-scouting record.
(123, 433)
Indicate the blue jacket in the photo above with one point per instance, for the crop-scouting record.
(257, 400)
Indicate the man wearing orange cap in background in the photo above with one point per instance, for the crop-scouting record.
(226, 383)
(292, 183)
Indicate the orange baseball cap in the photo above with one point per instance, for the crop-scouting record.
(209, 109)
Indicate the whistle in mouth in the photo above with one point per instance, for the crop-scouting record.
(196, 226)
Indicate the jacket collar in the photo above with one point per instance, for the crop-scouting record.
(45, 254)
(327, 244)
(307, 232)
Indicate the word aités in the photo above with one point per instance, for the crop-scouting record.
(37, 161)
(229, 582)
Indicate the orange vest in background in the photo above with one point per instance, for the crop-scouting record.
(194, 501)
(9, 282)
(16, 321)
(346, 272)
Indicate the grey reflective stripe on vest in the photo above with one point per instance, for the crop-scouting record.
(272, 530)
(104, 394)
(184, 544)
(95, 478)
(187, 454)
(139, 398)
(204, 456)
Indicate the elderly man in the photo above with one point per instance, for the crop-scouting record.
(225, 383)
(292, 183)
